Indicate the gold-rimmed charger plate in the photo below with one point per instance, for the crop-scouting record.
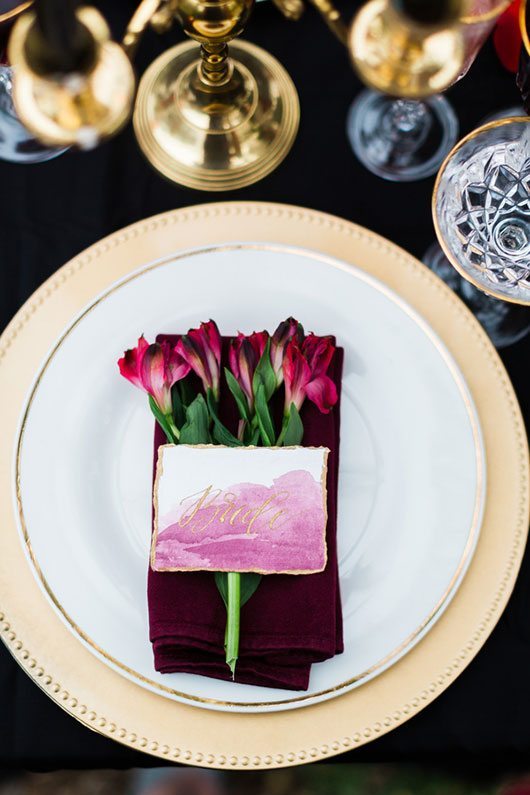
(105, 701)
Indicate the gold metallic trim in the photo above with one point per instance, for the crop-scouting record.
(7, 16)
(443, 244)
(395, 654)
(487, 16)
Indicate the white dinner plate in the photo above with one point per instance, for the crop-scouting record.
(412, 471)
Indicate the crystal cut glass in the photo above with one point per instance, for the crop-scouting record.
(481, 208)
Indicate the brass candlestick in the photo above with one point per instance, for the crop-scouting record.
(215, 120)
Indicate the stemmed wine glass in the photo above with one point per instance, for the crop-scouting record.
(504, 323)
(405, 133)
(17, 144)
(481, 212)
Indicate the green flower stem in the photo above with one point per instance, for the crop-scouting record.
(233, 610)
(173, 428)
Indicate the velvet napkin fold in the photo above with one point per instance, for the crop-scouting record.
(289, 623)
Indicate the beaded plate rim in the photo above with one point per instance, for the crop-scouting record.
(296, 220)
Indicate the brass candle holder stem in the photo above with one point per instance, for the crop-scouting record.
(333, 19)
(215, 67)
(291, 9)
(138, 24)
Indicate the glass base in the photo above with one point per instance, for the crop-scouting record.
(504, 323)
(401, 140)
(17, 144)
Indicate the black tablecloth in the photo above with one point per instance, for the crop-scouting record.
(52, 211)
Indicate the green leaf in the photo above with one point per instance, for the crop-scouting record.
(196, 429)
(221, 434)
(294, 432)
(251, 433)
(162, 421)
(264, 374)
(178, 409)
(249, 585)
(263, 415)
(221, 580)
(239, 395)
(187, 393)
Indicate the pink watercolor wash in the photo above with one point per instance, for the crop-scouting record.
(247, 527)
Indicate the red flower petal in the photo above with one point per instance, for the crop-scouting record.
(177, 367)
(319, 352)
(155, 377)
(213, 338)
(131, 362)
(233, 354)
(296, 373)
(323, 393)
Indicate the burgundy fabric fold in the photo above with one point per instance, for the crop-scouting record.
(290, 622)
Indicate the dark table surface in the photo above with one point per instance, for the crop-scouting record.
(50, 212)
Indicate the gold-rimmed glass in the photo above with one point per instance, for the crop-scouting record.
(481, 213)
(404, 133)
(476, 25)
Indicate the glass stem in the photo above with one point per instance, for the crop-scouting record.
(407, 123)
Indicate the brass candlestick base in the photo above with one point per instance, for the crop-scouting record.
(216, 130)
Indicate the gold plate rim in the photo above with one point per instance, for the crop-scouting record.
(408, 642)
(104, 700)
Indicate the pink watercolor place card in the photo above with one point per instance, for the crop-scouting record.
(240, 509)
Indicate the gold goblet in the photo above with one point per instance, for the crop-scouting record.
(76, 108)
(218, 121)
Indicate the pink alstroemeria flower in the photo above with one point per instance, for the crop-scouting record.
(244, 355)
(154, 369)
(305, 372)
(201, 349)
(286, 331)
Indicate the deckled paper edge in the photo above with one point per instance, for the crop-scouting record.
(323, 490)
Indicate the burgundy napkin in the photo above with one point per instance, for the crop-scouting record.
(290, 622)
